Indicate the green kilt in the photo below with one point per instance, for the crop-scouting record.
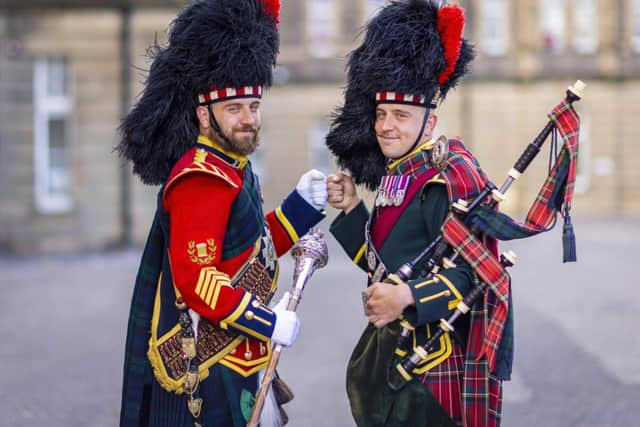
(373, 402)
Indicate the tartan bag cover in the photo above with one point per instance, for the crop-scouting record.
(490, 271)
(554, 196)
(491, 319)
(482, 394)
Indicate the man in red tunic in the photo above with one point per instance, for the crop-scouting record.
(200, 329)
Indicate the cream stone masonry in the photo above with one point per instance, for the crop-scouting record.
(497, 111)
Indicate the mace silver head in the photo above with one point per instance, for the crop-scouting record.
(313, 246)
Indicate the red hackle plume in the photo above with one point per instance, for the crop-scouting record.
(450, 27)
(273, 8)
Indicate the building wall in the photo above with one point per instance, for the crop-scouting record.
(89, 40)
(497, 111)
(16, 162)
(146, 26)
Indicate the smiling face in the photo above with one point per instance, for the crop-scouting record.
(397, 127)
(239, 121)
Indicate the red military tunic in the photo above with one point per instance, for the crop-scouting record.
(212, 254)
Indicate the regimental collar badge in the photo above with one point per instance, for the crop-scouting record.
(392, 190)
(202, 253)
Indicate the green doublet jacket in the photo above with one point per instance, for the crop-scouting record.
(379, 243)
(417, 226)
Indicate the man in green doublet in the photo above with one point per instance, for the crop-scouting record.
(412, 54)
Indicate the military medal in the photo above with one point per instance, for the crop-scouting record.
(401, 190)
(392, 190)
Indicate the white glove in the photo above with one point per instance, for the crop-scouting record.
(312, 186)
(287, 324)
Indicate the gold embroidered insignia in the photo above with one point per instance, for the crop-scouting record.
(202, 253)
(201, 156)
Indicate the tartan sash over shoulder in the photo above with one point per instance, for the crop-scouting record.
(490, 271)
(481, 392)
(463, 176)
(465, 180)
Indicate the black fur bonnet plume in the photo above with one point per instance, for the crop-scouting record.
(212, 44)
(412, 48)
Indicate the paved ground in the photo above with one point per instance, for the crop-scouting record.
(62, 324)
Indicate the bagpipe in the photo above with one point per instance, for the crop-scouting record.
(469, 219)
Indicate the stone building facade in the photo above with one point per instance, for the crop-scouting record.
(62, 94)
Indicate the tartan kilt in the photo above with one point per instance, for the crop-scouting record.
(444, 381)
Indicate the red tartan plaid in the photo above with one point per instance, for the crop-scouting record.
(482, 391)
(567, 122)
(463, 175)
(554, 196)
(490, 270)
(542, 211)
(445, 380)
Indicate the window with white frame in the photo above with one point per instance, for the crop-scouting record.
(322, 19)
(319, 157)
(635, 25)
(585, 26)
(372, 7)
(553, 25)
(52, 117)
(495, 28)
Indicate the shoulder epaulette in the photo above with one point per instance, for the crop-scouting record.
(198, 160)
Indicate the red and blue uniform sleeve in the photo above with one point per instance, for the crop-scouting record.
(291, 220)
(199, 205)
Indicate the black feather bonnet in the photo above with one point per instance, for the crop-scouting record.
(412, 50)
(211, 44)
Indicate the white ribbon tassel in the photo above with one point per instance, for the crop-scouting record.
(195, 320)
(270, 416)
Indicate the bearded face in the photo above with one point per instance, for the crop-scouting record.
(239, 121)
